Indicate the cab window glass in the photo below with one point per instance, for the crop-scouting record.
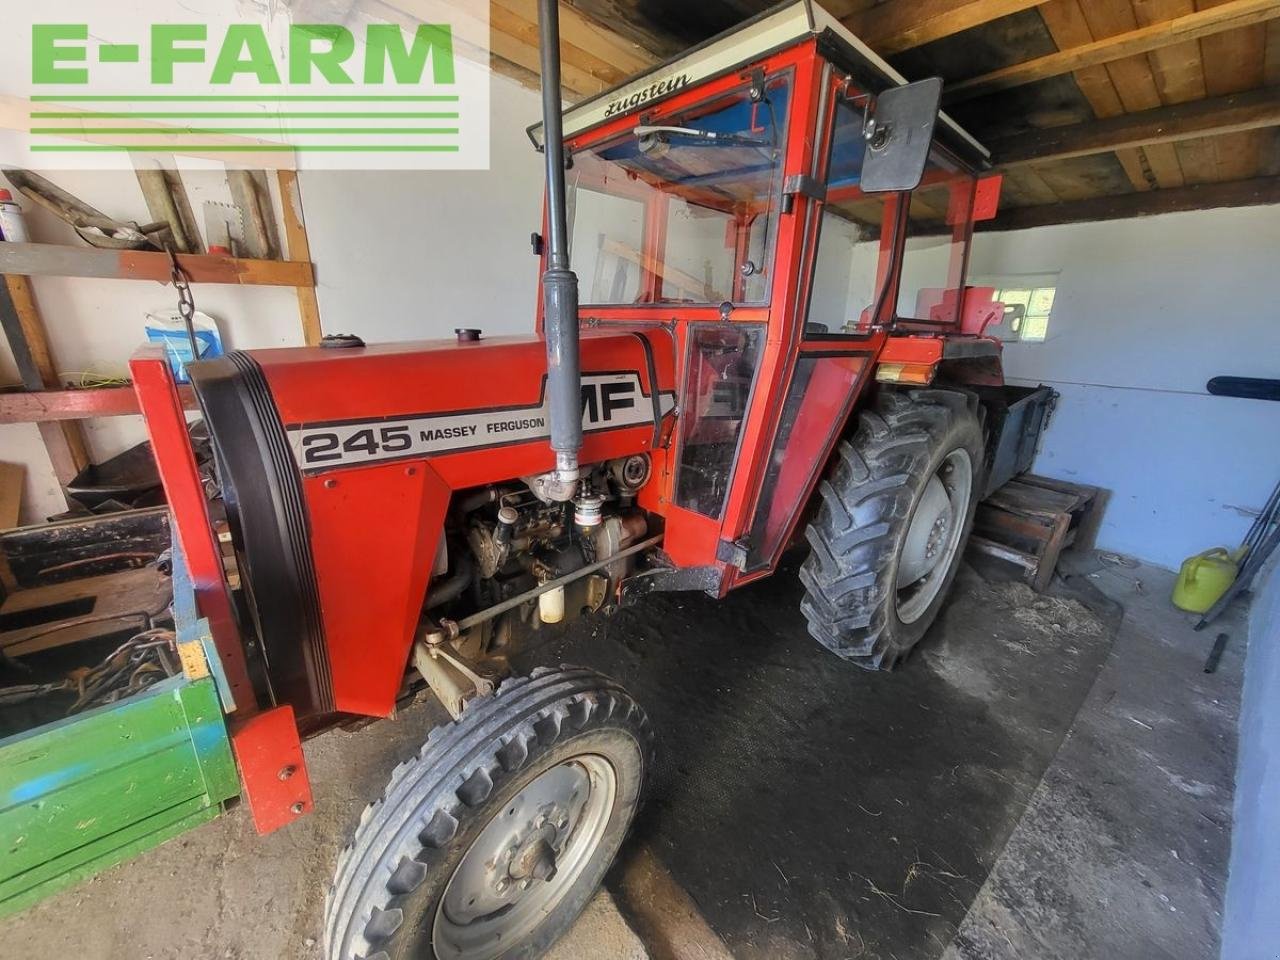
(937, 229)
(721, 375)
(850, 259)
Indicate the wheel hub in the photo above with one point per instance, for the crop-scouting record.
(933, 535)
(534, 857)
(525, 860)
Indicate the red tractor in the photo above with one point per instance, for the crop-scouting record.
(768, 338)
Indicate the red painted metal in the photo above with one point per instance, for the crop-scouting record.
(375, 529)
(986, 198)
(171, 444)
(373, 573)
(273, 772)
(981, 310)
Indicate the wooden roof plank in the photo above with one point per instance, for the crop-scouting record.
(586, 34)
(1134, 82)
(503, 20)
(1234, 61)
(1271, 64)
(899, 25)
(1067, 25)
(1230, 15)
(1179, 74)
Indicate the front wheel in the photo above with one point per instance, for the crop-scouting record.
(489, 843)
(896, 511)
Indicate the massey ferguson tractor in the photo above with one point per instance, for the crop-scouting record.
(765, 339)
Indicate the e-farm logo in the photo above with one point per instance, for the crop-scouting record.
(275, 91)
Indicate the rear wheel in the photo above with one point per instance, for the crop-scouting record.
(489, 843)
(896, 511)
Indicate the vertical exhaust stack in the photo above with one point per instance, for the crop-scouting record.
(559, 283)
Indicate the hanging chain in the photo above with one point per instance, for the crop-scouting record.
(186, 302)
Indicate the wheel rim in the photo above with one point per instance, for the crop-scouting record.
(933, 535)
(526, 860)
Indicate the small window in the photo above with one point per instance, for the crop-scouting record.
(721, 376)
(1028, 320)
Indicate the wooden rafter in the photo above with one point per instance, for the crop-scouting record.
(1234, 193)
(1200, 118)
(1230, 15)
(902, 24)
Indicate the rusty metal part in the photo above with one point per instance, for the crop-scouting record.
(452, 678)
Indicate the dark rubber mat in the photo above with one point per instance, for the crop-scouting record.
(813, 810)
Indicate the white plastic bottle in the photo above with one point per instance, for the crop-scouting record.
(12, 227)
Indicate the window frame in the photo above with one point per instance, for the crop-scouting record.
(656, 205)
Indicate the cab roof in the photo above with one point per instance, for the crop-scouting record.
(772, 30)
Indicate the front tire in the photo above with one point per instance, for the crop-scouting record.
(489, 842)
(896, 512)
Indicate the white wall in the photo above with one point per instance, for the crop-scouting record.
(407, 256)
(399, 256)
(1146, 312)
(1250, 921)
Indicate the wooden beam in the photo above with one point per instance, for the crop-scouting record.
(55, 260)
(24, 330)
(1235, 193)
(899, 25)
(1192, 26)
(48, 406)
(1182, 121)
(295, 234)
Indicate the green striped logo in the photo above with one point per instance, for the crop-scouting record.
(238, 90)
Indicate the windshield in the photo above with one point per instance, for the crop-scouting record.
(683, 209)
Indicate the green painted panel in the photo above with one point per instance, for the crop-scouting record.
(91, 790)
(203, 710)
(99, 804)
(18, 893)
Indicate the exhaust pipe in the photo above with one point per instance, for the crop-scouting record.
(559, 283)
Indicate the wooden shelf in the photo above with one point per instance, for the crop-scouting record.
(56, 260)
(42, 406)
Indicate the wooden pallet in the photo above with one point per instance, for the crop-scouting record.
(110, 603)
(1029, 522)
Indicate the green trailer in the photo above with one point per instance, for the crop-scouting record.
(90, 790)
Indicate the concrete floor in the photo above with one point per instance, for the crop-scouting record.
(1023, 788)
(1124, 847)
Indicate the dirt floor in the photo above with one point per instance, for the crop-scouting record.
(815, 810)
(804, 808)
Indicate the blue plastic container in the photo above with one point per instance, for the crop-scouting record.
(166, 327)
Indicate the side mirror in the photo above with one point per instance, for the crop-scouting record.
(899, 133)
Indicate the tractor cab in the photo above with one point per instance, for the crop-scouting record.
(799, 217)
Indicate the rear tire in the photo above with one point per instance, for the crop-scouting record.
(521, 802)
(896, 511)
